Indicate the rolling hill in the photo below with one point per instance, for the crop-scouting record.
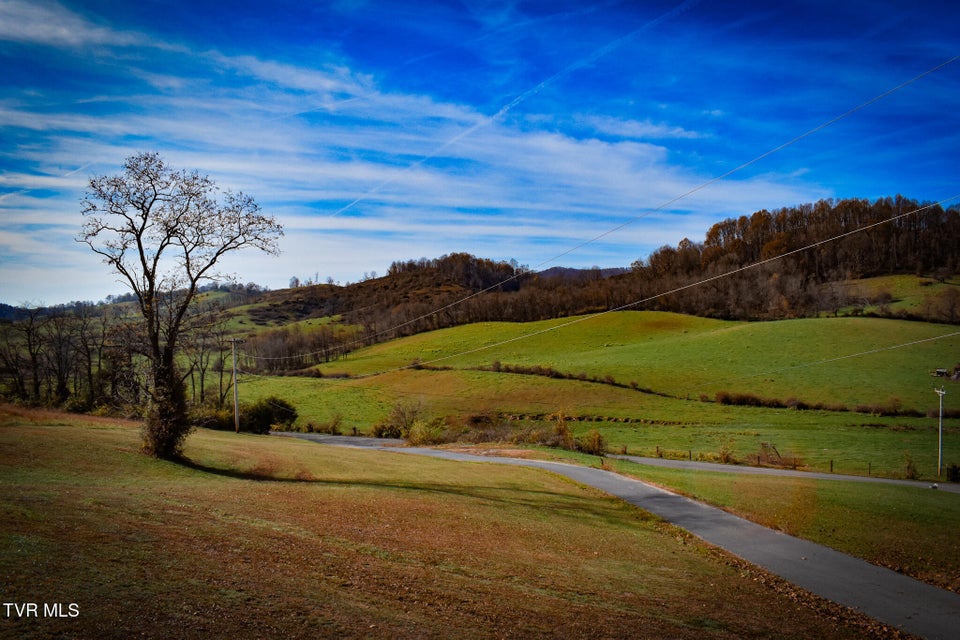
(649, 381)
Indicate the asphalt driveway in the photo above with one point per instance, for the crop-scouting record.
(882, 594)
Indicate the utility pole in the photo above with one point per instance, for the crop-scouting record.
(236, 392)
(940, 392)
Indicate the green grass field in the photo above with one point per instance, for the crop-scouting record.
(836, 361)
(261, 536)
(847, 361)
(908, 529)
(907, 292)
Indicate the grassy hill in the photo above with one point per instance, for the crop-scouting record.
(684, 356)
(683, 360)
(263, 536)
(903, 293)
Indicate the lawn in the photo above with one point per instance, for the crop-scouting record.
(261, 536)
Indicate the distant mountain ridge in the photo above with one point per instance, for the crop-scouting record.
(751, 267)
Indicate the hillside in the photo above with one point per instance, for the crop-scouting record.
(746, 269)
(788, 263)
(825, 360)
(852, 392)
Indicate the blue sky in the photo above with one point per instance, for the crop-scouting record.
(381, 131)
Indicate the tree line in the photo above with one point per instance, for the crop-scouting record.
(790, 262)
(84, 356)
(794, 261)
(787, 263)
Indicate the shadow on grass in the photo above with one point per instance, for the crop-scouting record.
(236, 474)
(566, 505)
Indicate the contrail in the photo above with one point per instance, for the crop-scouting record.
(75, 171)
(65, 175)
(579, 64)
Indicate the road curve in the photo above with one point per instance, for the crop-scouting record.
(882, 594)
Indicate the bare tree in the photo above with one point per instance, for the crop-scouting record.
(164, 231)
(59, 335)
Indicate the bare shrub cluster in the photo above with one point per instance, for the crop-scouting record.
(332, 427)
(550, 372)
(407, 421)
(399, 421)
(893, 406)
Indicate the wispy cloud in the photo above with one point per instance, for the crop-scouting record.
(645, 130)
(41, 22)
(500, 134)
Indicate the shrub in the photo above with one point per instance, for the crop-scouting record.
(953, 473)
(531, 435)
(384, 430)
(593, 443)
(893, 407)
(562, 435)
(264, 414)
(398, 422)
(910, 471)
(211, 417)
(427, 433)
(725, 455)
(333, 427)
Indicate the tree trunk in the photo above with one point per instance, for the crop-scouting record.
(167, 425)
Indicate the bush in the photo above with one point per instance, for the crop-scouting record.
(953, 473)
(211, 417)
(427, 433)
(593, 443)
(333, 427)
(562, 435)
(910, 472)
(264, 414)
(384, 430)
(399, 421)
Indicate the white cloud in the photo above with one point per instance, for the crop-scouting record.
(638, 130)
(52, 24)
(428, 176)
(332, 80)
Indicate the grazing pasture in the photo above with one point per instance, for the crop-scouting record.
(649, 382)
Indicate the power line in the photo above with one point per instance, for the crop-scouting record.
(691, 285)
(635, 303)
(434, 394)
(659, 207)
(583, 62)
(848, 356)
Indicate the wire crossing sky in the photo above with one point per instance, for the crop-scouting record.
(380, 131)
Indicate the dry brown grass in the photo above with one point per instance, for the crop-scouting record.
(263, 537)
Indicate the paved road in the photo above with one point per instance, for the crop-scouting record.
(884, 595)
(732, 468)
